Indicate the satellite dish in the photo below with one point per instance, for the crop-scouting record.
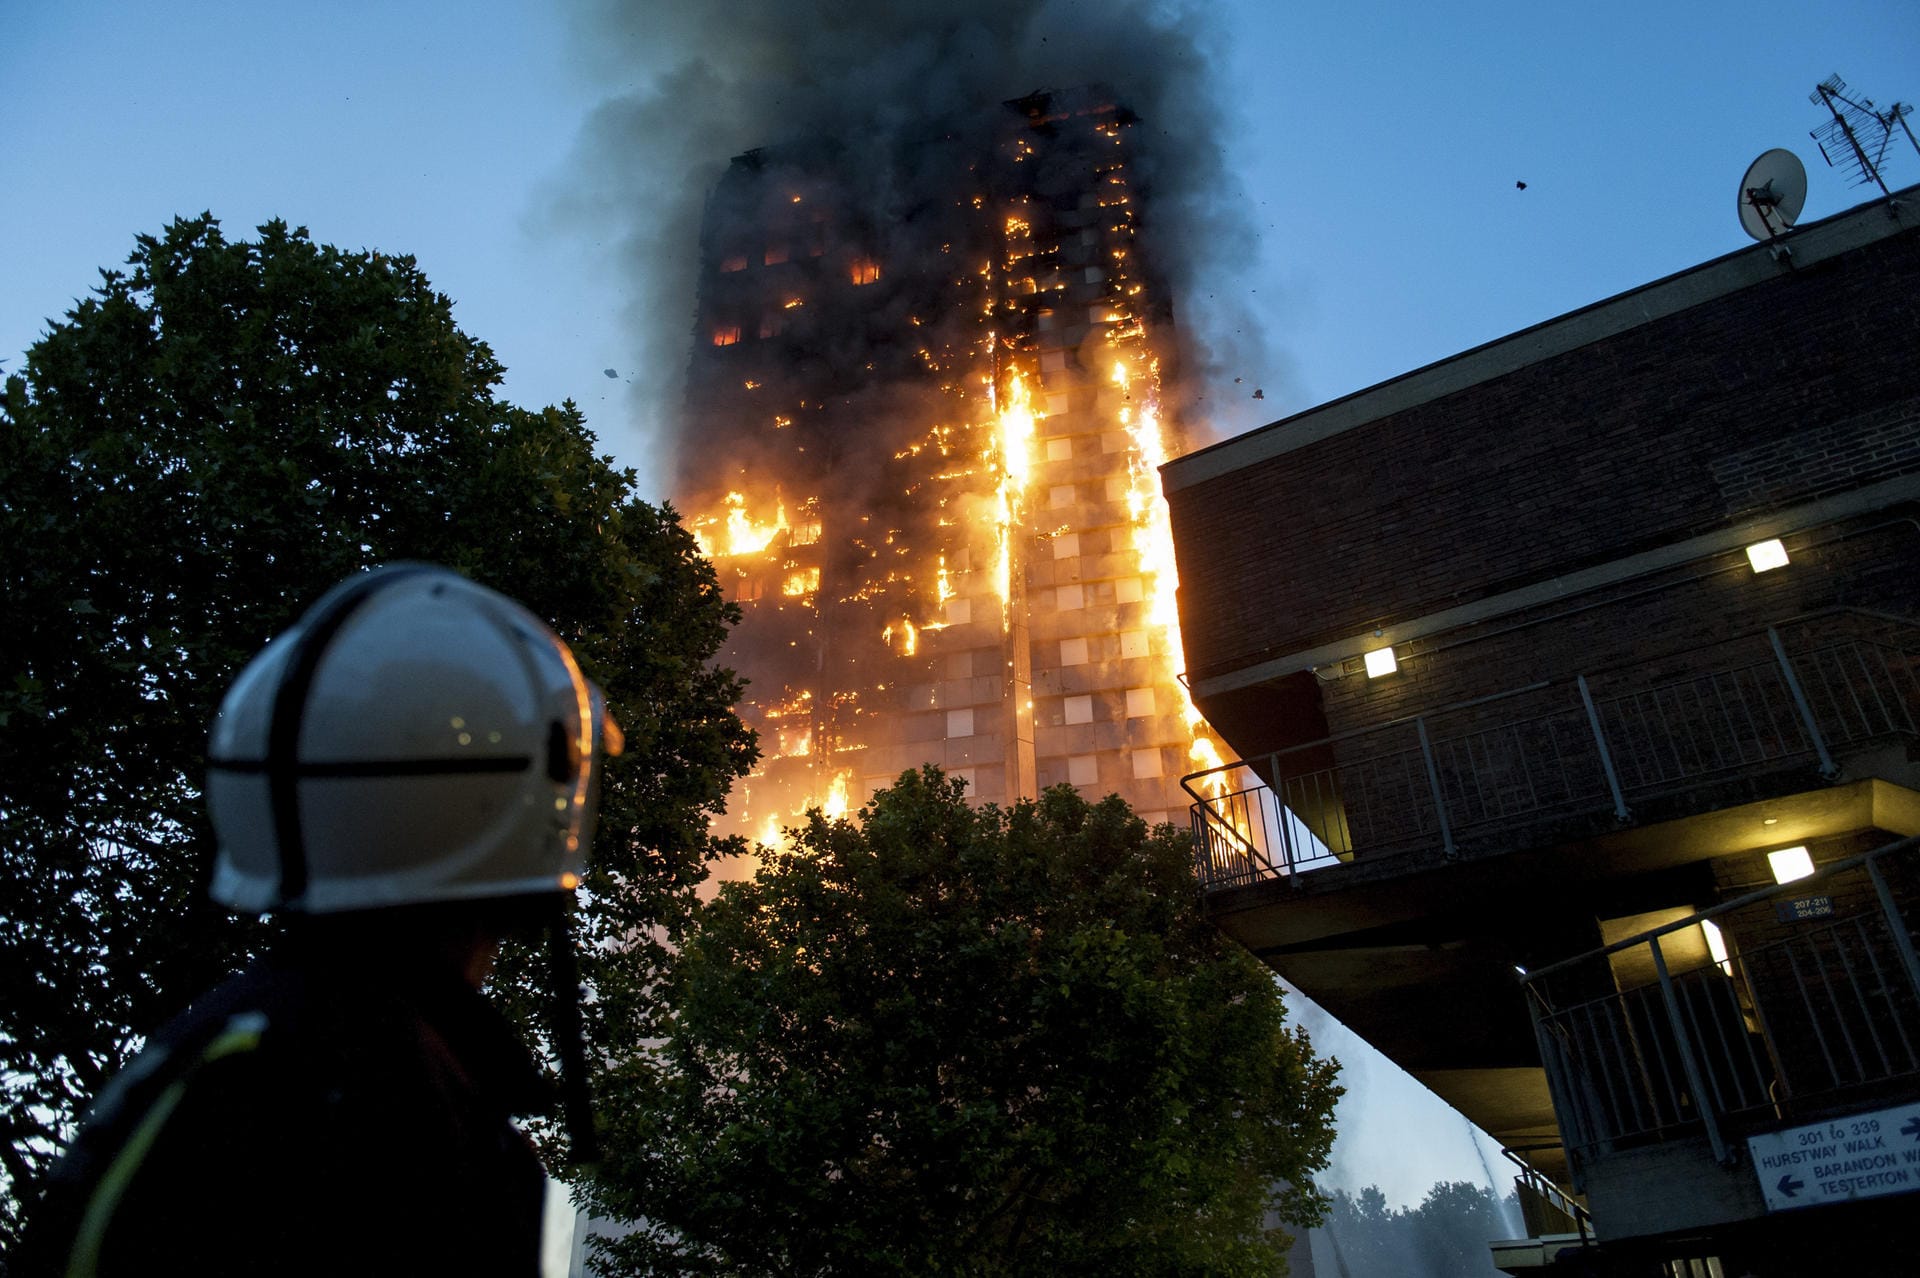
(1772, 194)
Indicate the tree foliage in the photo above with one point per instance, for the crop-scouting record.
(952, 1041)
(1446, 1236)
(187, 460)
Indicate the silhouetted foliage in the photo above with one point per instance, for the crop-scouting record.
(188, 459)
(1446, 1236)
(941, 1040)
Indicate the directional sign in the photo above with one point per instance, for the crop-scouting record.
(1859, 1156)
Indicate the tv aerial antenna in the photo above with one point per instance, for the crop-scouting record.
(1857, 138)
(1772, 193)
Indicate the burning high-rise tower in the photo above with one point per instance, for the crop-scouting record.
(925, 418)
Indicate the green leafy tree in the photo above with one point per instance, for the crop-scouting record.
(187, 460)
(943, 1040)
(1446, 1236)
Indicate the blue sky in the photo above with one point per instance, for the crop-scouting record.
(1378, 145)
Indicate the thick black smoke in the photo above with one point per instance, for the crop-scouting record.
(694, 84)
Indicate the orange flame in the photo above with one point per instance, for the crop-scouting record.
(909, 637)
(834, 806)
(1153, 542)
(1015, 443)
(743, 536)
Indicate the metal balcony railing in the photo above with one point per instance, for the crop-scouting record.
(1587, 746)
(1800, 1018)
(1546, 1208)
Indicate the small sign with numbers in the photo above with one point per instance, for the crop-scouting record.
(1805, 907)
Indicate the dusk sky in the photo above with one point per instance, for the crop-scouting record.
(1379, 148)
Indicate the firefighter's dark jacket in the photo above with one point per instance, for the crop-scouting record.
(307, 1117)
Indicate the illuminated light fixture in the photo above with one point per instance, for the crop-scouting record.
(1767, 555)
(1789, 864)
(1381, 661)
(1716, 945)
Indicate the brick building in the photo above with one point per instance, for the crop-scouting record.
(1532, 660)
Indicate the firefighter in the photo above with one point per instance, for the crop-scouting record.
(407, 776)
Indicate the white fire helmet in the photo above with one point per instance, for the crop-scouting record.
(414, 738)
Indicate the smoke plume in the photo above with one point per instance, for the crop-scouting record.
(692, 85)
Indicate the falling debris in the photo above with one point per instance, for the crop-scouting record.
(1258, 393)
(612, 373)
(1520, 185)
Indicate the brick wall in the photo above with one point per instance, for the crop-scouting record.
(1647, 631)
(1802, 386)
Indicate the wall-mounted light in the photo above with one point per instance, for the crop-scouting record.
(1789, 864)
(1767, 555)
(1381, 661)
(1716, 945)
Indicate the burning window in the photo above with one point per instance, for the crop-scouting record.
(864, 272)
(733, 262)
(776, 253)
(726, 335)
